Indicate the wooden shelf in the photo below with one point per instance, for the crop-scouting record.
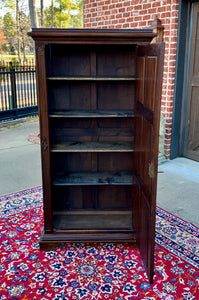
(92, 147)
(93, 178)
(92, 114)
(76, 78)
(92, 219)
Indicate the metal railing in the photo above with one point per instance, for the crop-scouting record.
(18, 92)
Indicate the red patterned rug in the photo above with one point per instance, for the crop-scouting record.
(91, 271)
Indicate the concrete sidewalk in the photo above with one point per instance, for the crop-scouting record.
(20, 168)
(178, 188)
(20, 160)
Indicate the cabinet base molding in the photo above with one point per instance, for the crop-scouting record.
(51, 240)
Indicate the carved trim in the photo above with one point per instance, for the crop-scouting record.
(44, 143)
(158, 29)
(40, 49)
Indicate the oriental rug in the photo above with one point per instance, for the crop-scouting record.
(91, 271)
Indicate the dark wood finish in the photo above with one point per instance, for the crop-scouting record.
(44, 134)
(158, 29)
(84, 161)
(93, 37)
(89, 220)
(99, 96)
(72, 197)
(191, 142)
(147, 108)
(49, 241)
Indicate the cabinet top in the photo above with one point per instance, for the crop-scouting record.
(58, 35)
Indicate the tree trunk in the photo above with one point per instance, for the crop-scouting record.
(60, 10)
(33, 13)
(18, 37)
(52, 14)
(42, 13)
(24, 50)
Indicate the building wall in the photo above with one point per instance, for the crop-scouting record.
(140, 14)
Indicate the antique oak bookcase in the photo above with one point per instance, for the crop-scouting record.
(99, 105)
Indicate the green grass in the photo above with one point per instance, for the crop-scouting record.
(8, 58)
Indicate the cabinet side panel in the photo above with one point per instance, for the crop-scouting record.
(44, 134)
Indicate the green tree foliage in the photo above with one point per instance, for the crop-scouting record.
(9, 25)
(1, 22)
(60, 14)
(8, 4)
(66, 14)
(9, 30)
(77, 19)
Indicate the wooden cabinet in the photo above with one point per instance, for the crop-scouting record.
(99, 103)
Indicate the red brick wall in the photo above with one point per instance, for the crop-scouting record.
(140, 14)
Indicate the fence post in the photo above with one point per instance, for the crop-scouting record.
(13, 100)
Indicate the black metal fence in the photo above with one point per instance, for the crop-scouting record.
(18, 92)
